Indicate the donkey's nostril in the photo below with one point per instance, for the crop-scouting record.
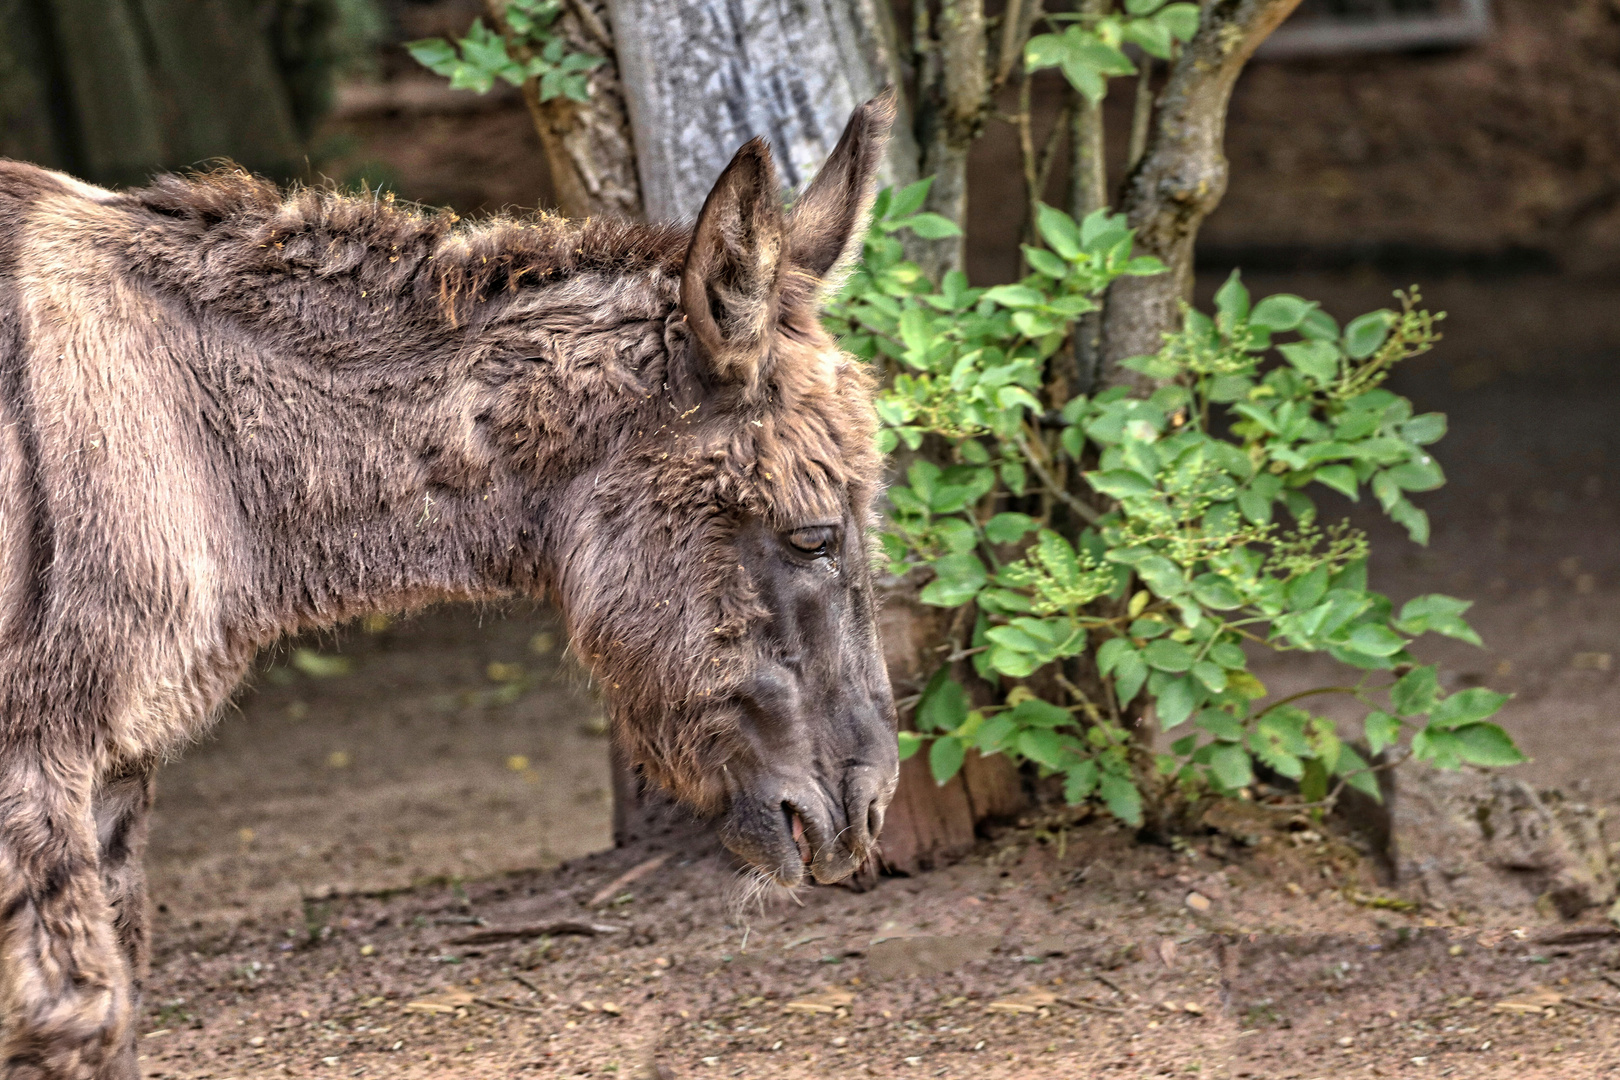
(874, 820)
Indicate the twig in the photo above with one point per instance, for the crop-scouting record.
(593, 26)
(1610, 979)
(1141, 114)
(551, 929)
(1070, 501)
(524, 979)
(493, 1004)
(1083, 1003)
(1598, 1006)
(640, 870)
(1110, 983)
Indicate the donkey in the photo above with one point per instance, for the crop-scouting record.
(229, 413)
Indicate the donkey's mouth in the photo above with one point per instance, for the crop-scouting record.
(796, 827)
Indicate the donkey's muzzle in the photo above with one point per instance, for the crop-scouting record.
(775, 825)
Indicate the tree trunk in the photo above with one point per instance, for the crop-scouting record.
(952, 98)
(929, 822)
(702, 77)
(588, 145)
(1181, 177)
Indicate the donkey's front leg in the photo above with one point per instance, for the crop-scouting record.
(121, 806)
(64, 980)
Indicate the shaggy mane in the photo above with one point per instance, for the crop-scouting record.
(396, 248)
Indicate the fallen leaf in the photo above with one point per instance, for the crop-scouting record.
(1026, 1001)
(612, 1008)
(1167, 952)
(822, 1001)
(1194, 1008)
(447, 1000)
(1538, 1000)
(1198, 901)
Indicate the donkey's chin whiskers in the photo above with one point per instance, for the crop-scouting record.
(750, 892)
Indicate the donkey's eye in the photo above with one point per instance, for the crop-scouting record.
(815, 541)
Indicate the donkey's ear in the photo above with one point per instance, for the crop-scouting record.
(733, 268)
(829, 220)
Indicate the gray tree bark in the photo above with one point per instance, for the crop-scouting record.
(1181, 177)
(702, 77)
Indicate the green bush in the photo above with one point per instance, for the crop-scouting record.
(1117, 553)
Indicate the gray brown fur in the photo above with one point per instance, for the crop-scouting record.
(229, 413)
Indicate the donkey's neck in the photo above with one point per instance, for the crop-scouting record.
(398, 423)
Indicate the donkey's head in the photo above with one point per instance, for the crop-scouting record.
(718, 575)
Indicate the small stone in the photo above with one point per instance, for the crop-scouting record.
(1198, 901)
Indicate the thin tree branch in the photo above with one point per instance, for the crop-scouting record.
(1181, 177)
(1141, 114)
(1086, 512)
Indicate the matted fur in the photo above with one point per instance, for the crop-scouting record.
(229, 412)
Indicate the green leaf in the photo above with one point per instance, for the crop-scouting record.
(1045, 262)
(960, 577)
(1110, 652)
(1013, 663)
(1167, 655)
(1042, 746)
(943, 705)
(1422, 473)
(1181, 19)
(1143, 7)
(1382, 730)
(945, 758)
(1230, 765)
(931, 226)
(993, 734)
(1221, 724)
(1152, 36)
(1232, 300)
(1437, 614)
(1414, 693)
(1009, 527)
(909, 199)
(1177, 701)
(1375, 640)
(1341, 478)
(1014, 296)
(1038, 713)
(1487, 745)
(910, 743)
(1466, 707)
(1228, 655)
(1215, 592)
(1081, 782)
(1436, 746)
(1130, 673)
(1425, 429)
(1121, 483)
(1212, 675)
(1366, 333)
(1121, 798)
(1059, 231)
(1255, 506)
(1043, 51)
(1281, 312)
(1317, 360)
(1016, 639)
(435, 54)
